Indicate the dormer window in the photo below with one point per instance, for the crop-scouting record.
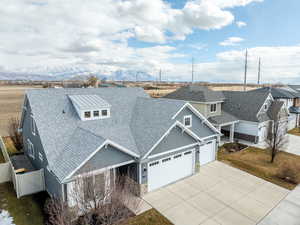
(187, 121)
(96, 113)
(87, 114)
(265, 106)
(213, 108)
(104, 113)
(90, 107)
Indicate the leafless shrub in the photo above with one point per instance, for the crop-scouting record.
(288, 173)
(94, 203)
(57, 212)
(15, 134)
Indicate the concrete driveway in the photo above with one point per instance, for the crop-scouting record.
(218, 195)
(291, 147)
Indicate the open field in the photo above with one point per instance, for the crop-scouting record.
(11, 96)
(11, 100)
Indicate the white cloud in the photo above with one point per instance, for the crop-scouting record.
(241, 24)
(95, 33)
(232, 41)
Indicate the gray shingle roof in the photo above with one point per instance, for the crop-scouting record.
(136, 123)
(274, 109)
(196, 94)
(224, 118)
(275, 92)
(245, 105)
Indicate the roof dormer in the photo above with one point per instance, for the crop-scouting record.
(90, 107)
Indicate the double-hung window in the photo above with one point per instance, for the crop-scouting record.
(32, 124)
(187, 121)
(30, 149)
(213, 108)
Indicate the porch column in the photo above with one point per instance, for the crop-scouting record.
(231, 137)
(219, 137)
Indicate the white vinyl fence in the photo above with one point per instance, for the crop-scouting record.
(5, 168)
(24, 184)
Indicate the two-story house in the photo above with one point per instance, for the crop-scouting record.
(210, 104)
(290, 98)
(98, 133)
(256, 112)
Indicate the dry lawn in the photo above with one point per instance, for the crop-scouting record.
(11, 100)
(295, 131)
(150, 217)
(257, 162)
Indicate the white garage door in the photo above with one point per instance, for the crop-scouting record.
(207, 153)
(292, 121)
(170, 169)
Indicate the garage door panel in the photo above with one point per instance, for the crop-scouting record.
(207, 153)
(170, 169)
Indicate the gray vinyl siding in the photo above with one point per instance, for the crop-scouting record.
(105, 157)
(204, 109)
(52, 185)
(175, 139)
(199, 128)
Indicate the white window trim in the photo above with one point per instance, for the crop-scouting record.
(41, 157)
(190, 117)
(215, 108)
(92, 117)
(32, 125)
(30, 149)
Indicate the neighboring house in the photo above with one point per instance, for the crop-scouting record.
(255, 111)
(70, 132)
(295, 108)
(210, 104)
(290, 99)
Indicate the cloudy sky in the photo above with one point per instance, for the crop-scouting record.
(41, 36)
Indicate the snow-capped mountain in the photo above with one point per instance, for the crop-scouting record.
(74, 73)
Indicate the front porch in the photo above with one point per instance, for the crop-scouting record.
(228, 133)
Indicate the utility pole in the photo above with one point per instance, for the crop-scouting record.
(136, 77)
(258, 75)
(245, 75)
(159, 75)
(193, 70)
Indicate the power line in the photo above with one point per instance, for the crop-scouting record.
(193, 70)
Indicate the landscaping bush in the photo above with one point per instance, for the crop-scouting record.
(234, 147)
(288, 173)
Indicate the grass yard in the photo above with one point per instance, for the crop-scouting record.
(27, 210)
(256, 161)
(150, 217)
(295, 131)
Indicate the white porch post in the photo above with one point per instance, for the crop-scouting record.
(231, 138)
(219, 137)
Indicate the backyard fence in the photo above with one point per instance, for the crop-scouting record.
(25, 183)
(29, 183)
(5, 168)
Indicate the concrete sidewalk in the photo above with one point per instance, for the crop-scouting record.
(287, 212)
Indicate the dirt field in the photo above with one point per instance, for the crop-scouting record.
(11, 100)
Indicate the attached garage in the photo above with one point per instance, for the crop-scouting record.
(170, 169)
(207, 153)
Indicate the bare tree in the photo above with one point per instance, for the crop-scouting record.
(14, 133)
(276, 139)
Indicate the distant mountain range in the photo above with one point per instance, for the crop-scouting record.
(119, 75)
